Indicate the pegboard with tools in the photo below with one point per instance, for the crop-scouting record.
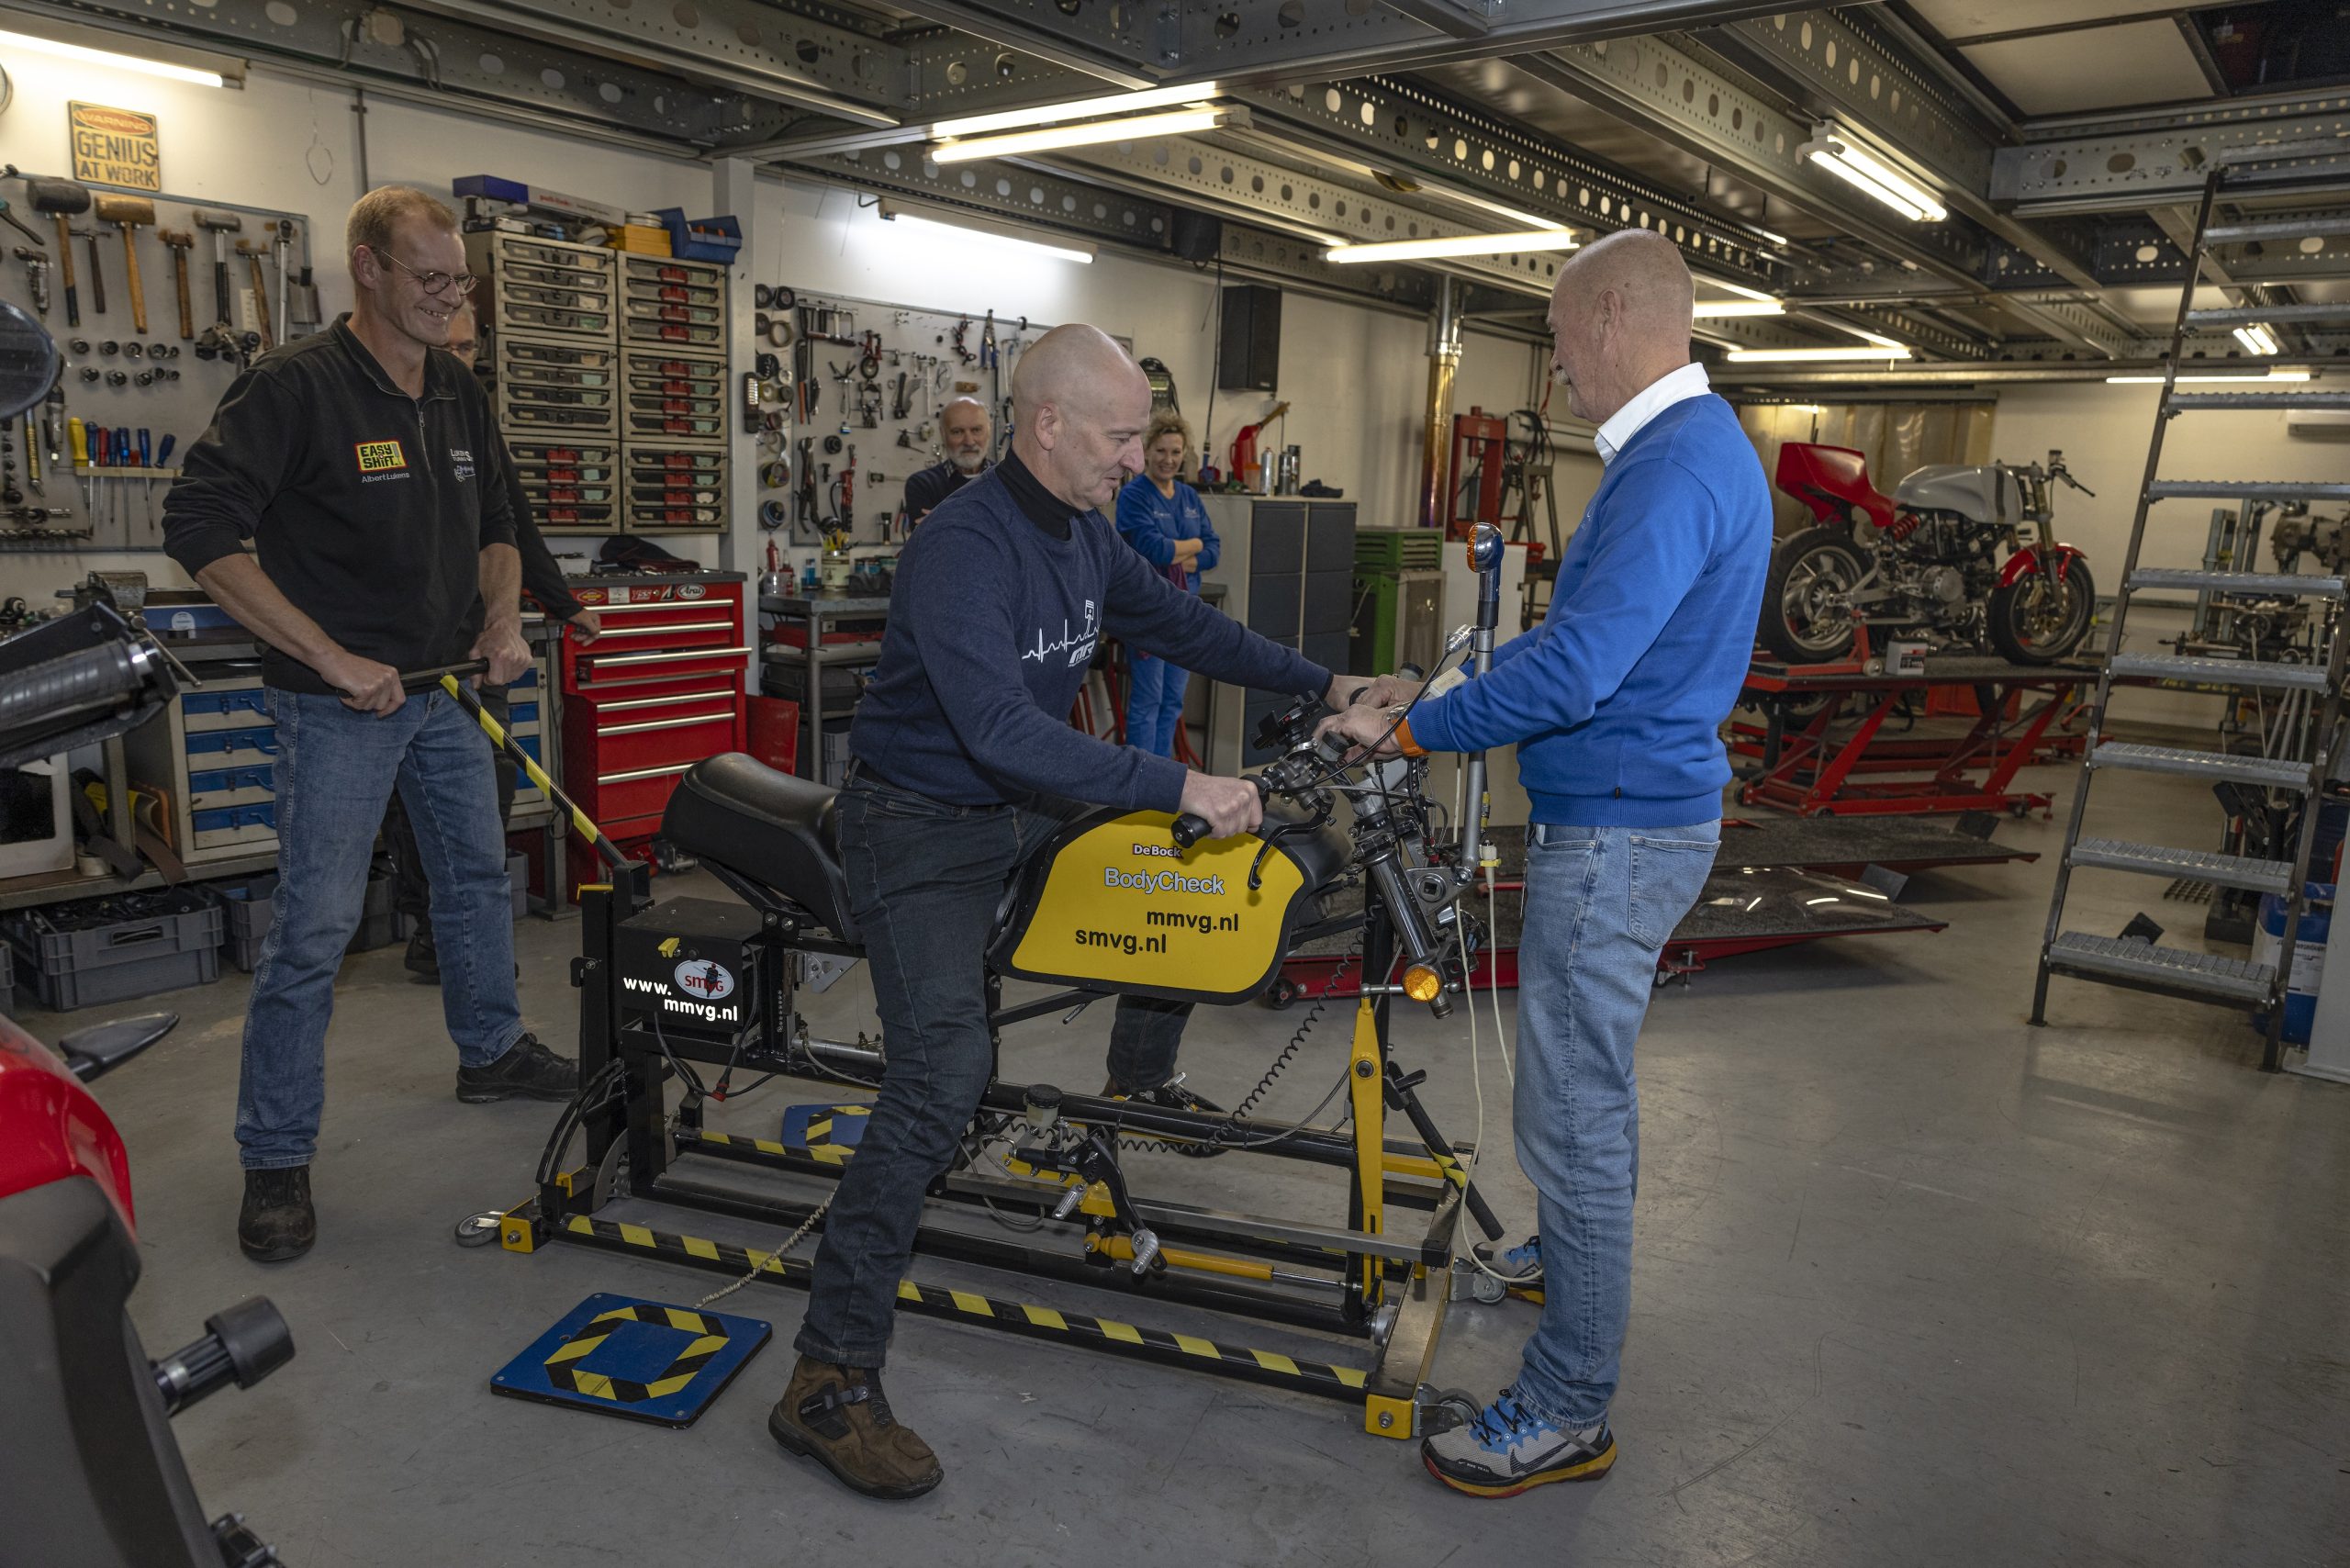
(156, 304)
(846, 406)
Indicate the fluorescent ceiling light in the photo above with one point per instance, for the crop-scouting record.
(1456, 245)
(1857, 351)
(1720, 309)
(1093, 133)
(959, 230)
(1741, 290)
(2257, 339)
(1833, 151)
(1082, 108)
(2205, 380)
(107, 57)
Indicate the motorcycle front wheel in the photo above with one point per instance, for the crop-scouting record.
(2040, 618)
(1806, 617)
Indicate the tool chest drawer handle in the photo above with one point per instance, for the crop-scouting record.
(596, 665)
(716, 694)
(711, 601)
(642, 773)
(669, 626)
(724, 715)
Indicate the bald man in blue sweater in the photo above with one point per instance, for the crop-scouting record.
(1615, 704)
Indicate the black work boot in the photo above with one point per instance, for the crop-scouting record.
(529, 1070)
(839, 1417)
(423, 958)
(277, 1223)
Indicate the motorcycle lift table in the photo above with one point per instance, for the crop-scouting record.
(1802, 761)
(1777, 883)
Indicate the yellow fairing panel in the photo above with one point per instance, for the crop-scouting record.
(1121, 908)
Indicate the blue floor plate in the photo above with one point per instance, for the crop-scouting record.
(642, 1359)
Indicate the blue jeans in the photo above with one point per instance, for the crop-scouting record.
(1154, 703)
(924, 880)
(1600, 903)
(335, 769)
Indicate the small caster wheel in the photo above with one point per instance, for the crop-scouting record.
(1487, 1288)
(1453, 1409)
(481, 1229)
(1283, 992)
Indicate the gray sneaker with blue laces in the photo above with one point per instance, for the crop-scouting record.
(1507, 1449)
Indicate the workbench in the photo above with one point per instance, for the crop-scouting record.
(808, 615)
(1804, 756)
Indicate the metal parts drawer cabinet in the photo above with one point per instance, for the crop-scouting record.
(211, 757)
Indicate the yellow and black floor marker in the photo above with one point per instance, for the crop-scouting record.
(1135, 1341)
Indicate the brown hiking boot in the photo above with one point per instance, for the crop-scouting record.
(839, 1417)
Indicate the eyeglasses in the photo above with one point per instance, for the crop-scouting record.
(431, 283)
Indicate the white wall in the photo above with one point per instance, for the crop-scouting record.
(1356, 374)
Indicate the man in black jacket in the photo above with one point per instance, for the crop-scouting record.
(365, 469)
(967, 433)
(543, 580)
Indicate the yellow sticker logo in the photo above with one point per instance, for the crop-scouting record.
(380, 457)
(668, 948)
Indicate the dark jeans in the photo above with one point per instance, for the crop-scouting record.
(412, 892)
(924, 880)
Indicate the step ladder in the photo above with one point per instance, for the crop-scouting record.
(2141, 965)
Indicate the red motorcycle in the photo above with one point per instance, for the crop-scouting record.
(1927, 558)
(89, 1471)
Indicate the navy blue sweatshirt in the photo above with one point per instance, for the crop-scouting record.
(1000, 601)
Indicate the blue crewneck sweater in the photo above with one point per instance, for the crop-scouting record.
(1615, 702)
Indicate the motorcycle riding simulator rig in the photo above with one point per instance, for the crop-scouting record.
(1115, 901)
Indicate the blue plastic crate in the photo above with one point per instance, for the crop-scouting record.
(700, 239)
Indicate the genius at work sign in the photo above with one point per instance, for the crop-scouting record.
(115, 147)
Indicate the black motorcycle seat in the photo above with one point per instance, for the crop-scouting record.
(770, 829)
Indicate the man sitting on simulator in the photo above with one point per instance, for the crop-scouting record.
(965, 763)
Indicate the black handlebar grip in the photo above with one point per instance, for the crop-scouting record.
(85, 679)
(1189, 830)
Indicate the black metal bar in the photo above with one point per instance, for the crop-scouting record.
(934, 1242)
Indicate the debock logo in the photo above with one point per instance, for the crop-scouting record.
(701, 978)
(1160, 883)
(1164, 851)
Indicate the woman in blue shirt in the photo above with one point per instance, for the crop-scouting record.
(1162, 518)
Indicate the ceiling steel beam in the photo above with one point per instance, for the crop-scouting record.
(1004, 190)
(1313, 207)
(1848, 64)
(1401, 128)
(2130, 162)
(1702, 109)
(1137, 43)
(444, 61)
(764, 51)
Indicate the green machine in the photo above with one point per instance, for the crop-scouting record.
(1399, 598)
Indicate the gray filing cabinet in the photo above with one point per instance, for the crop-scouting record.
(1287, 568)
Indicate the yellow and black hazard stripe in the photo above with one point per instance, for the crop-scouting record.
(581, 822)
(565, 1373)
(736, 1145)
(1330, 1380)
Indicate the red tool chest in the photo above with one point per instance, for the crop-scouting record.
(658, 692)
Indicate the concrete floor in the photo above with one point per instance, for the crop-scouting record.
(1915, 1284)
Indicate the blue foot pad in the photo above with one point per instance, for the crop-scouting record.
(823, 1126)
(642, 1359)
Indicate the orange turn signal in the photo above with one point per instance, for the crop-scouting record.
(1422, 984)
